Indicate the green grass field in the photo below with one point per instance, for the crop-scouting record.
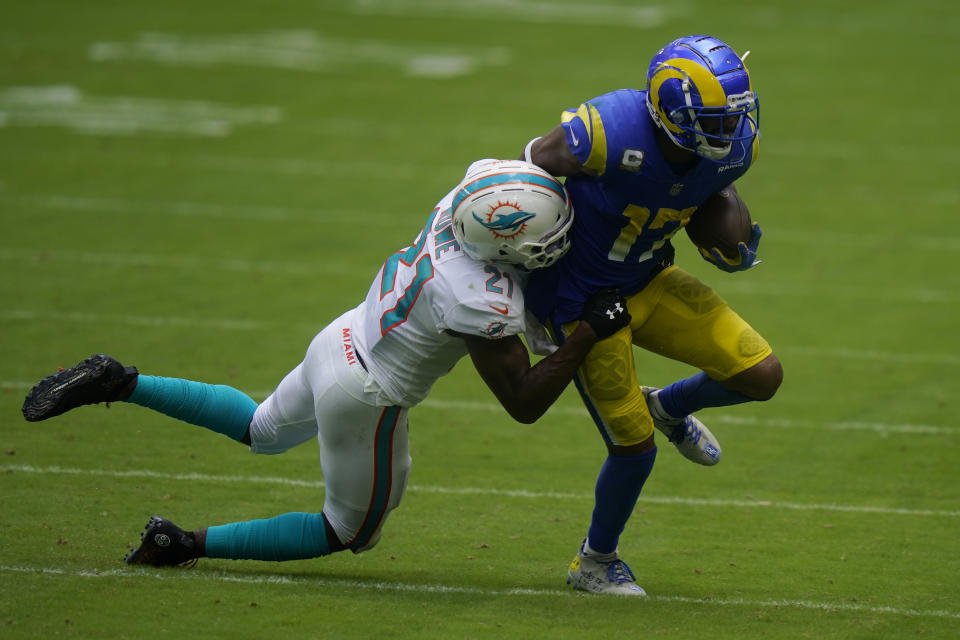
(197, 188)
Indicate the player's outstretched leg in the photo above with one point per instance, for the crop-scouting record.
(99, 378)
(602, 573)
(164, 544)
(289, 536)
(691, 437)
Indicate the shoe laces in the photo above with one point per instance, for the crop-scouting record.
(618, 572)
(686, 430)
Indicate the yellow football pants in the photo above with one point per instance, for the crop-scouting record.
(675, 316)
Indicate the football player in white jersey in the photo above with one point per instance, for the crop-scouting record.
(457, 290)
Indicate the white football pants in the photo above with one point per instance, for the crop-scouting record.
(364, 450)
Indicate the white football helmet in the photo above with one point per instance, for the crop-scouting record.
(512, 211)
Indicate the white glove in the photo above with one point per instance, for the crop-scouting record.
(538, 341)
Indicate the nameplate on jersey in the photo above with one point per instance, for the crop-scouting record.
(631, 160)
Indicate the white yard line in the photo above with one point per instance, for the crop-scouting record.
(300, 50)
(903, 357)
(919, 295)
(184, 262)
(881, 428)
(443, 589)
(944, 243)
(779, 423)
(23, 315)
(529, 11)
(68, 106)
(822, 353)
(299, 268)
(511, 493)
(835, 290)
(170, 208)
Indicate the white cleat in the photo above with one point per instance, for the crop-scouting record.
(691, 437)
(602, 573)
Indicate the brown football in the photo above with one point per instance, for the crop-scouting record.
(721, 222)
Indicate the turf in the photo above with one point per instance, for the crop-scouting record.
(198, 188)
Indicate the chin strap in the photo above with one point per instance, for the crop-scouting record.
(538, 340)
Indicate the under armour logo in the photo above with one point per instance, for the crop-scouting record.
(612, 313)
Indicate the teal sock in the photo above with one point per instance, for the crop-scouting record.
(291, 536)
(216, 407)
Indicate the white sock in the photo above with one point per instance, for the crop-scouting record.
(596, 555)
(656, 409)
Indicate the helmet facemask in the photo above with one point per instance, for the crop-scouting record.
(550, 248)
(712, 132)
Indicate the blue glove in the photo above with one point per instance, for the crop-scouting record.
(747, 258)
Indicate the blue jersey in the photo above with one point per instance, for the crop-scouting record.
(624, 217)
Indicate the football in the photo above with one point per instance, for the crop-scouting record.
(721, 222)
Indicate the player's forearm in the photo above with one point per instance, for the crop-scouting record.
(542, 384)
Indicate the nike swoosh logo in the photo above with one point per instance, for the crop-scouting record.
(504, 309)
(573, 136)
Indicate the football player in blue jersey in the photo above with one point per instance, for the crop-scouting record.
(638, 164)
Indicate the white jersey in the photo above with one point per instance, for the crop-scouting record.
(423, 292)
(363, 371)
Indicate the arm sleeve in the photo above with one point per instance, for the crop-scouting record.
(586, 136)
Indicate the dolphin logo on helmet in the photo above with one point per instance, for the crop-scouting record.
(511, 211)
(506, 225)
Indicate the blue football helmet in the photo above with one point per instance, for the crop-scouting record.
(699, 93)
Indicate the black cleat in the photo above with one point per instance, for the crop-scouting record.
(99, 378)
(164, 544)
